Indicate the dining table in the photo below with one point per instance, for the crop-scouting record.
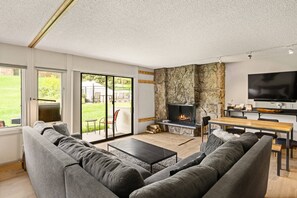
(279, 127)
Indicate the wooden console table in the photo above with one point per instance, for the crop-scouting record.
(280, 127)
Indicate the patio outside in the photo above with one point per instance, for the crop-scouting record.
(94, 106)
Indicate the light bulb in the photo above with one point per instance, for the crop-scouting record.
(291, 51)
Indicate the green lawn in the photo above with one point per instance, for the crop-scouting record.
(10, 99)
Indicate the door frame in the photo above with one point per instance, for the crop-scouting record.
(106, 106)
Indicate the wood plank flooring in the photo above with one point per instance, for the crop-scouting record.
(15, 183)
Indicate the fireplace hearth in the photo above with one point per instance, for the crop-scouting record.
(182, 114)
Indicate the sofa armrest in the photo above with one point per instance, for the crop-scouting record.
(76, 135)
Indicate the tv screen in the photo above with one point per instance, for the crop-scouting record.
(281, 86)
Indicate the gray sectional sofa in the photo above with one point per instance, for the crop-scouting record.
(59, 168)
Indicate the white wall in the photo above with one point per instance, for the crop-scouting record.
(237, 84)
(11, 139)
(146, 98)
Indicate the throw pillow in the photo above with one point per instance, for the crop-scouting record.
(121, 179)
(53, 136)
(41, 126)
(62, 128)
(191, 183)
(247, 140)
(224, 157)
(212, 144)
(190, 164)
(224, 135)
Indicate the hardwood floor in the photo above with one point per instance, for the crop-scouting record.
(15, 183)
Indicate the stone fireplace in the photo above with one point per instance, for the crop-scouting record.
(201, 87)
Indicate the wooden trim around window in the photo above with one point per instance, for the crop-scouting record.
(146, 119)
(146, 72)
(146, 81)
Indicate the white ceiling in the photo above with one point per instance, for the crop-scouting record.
(21, 20)
(155, 33)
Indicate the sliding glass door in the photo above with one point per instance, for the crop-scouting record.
(106, 107)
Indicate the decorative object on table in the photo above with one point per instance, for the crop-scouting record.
(230, 107)
(279, 105)
(262, 110)
(239, 107)
(153, 128)
(248, 107)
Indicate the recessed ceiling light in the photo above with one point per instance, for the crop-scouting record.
(250, 55)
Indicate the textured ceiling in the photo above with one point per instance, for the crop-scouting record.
(21, 20)
(156, 33)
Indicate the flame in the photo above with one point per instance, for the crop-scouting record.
(183, 117)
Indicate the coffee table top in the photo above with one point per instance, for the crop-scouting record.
(143, 151)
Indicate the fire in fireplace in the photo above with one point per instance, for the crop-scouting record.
(182, 114)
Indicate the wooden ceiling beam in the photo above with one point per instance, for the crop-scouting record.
(56, 16)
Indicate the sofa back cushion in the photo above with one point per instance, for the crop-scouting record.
(121, 179)
(212, 144)
(193, 182)
(247, 140)
(74, 148)
(224, 157)
(41, 126)
(53, 136)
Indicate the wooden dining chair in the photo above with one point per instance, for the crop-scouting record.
(204, 126)
(261, 133)
(236, 130)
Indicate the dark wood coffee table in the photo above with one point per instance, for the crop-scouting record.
(142, 151)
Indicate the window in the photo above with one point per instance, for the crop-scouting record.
(10, 97)
(49, 96)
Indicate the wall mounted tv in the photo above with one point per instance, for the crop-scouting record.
(280, 86)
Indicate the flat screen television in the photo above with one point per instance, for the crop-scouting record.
(280, 86)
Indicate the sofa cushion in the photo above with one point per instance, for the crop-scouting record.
(191, 183)
(74, 148)
(53, 136)
(247, 140)
(62, 128)
(163, 174)
(212, 144)
(224, 157)
(188, 159)
(41, 126)
(193, 162)
(143, 172)
(112, 173)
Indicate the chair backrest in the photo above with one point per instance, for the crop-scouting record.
(2, 123)
(205, 120)
(241, 117)
(115, 116)
(266, 119)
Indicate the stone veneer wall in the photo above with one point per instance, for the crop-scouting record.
(201, 85)
(210, 90)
